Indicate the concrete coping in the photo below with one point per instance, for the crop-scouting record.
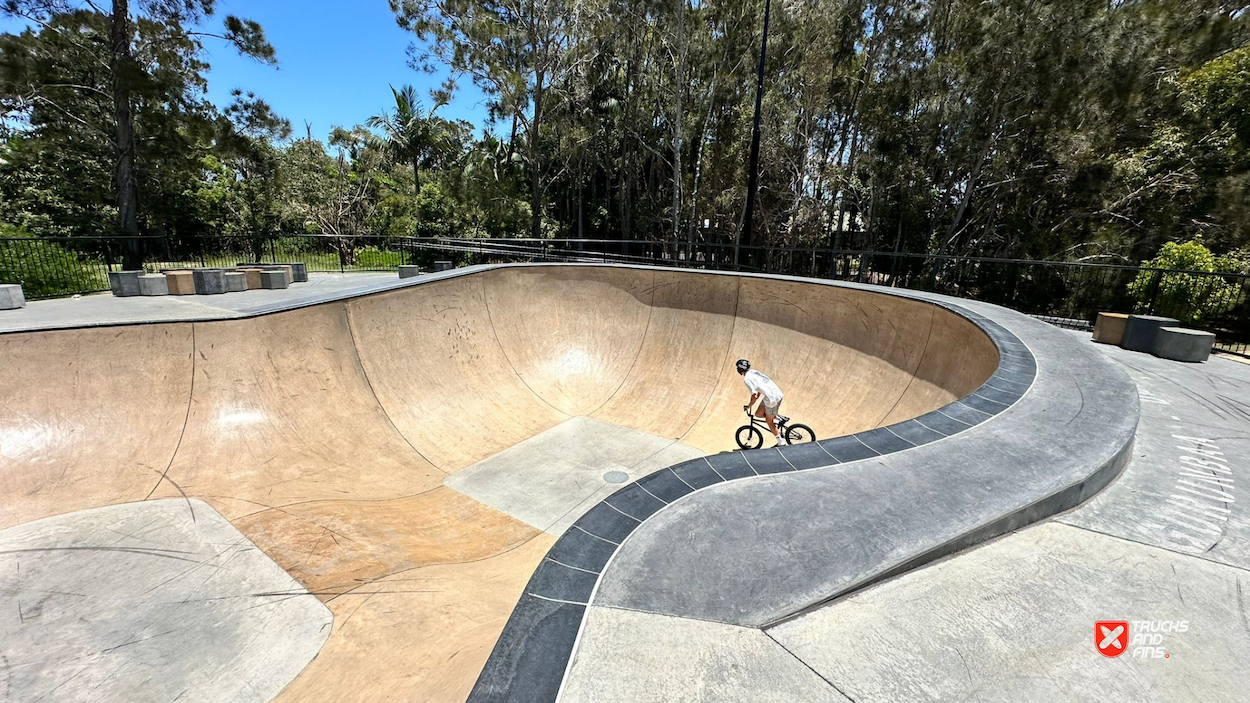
(1050, 428)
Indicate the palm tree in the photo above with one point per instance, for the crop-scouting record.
(411, 135)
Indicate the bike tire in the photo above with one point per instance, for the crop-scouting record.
(799, 434)
(749, 437)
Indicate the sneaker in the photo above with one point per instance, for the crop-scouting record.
(781, 441)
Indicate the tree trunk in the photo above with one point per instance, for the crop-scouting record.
(124, 173)
(536, 193)
(677, 117)
(416, 179)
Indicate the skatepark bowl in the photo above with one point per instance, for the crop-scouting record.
(420, 493)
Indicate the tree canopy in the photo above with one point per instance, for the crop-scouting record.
(1061, 129)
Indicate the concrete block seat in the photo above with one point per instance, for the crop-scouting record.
(180, 282)
(273, 279)
(443, 266)
(153, 284)
(209, 281)
(124, 283)
(11, 297)
(289, 269)
(236, 281)
(252, 276)
(1140, 331)
(1109, 328)
(299, 270)
(1180, 344)
(408, 271)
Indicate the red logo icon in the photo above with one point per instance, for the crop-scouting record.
(1111, 637)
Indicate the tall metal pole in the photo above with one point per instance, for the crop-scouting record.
(748, 220)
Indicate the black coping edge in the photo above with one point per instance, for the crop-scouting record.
(533, 651)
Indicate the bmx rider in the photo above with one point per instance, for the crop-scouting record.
(761, 385)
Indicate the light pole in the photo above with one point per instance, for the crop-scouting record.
(748, 219)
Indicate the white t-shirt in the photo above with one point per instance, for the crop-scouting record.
(759, 383)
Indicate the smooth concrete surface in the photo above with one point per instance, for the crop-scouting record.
(1109, 328)
(1180, 344)
(124, 283)
(550, 480)
(153, 601)
(1140, 331)
(1189, 458)
(1014, 621)
(11, 297)
(153, 284)
(629, 657)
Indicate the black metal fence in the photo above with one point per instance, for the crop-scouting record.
(1069, 294)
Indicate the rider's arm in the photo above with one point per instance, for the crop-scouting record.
(751, 402)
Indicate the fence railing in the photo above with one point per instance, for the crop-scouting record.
(1069, 294)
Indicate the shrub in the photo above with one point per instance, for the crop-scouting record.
(1182, 291)
(47, 269)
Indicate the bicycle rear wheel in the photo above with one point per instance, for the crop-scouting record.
(799, 434)
(749, 437)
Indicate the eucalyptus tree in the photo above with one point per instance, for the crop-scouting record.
(183, 22)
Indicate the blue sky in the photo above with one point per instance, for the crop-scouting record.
(336, 61)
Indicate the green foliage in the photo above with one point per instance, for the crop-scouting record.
(1190, 297)
(45, 268)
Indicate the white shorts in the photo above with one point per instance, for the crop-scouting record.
(772, 409)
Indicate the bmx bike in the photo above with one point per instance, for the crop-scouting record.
(749, 435)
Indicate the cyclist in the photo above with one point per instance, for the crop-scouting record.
(761, 385)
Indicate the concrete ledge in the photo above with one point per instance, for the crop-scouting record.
(1140, 331)
(153, 284)
(407, 271)
(253, 277)
(443, 266)
(124, 283)
(1179, 344)
(11, 297)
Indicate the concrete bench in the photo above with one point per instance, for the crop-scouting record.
(407, 271)
(1109, 329)
(443, 266)
(295, 273)
(209, 281)
(1180, 344)
(11, 297)
(124, 283)
(1140, 331)
(236, 281)
(153, 284)
(273, 279)
(180, 282)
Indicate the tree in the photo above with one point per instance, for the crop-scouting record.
(514, 50)
(413, 136)
(180, 18)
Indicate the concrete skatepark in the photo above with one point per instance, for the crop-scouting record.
(513, 483)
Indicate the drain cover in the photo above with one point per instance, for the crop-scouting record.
(616, 477)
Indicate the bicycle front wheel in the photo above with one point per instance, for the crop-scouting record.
(799, 434)
(749, 437)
